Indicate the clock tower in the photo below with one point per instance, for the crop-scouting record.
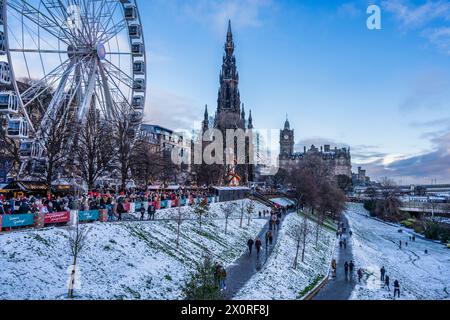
(286, 141)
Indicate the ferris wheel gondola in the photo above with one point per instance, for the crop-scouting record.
(67, 56)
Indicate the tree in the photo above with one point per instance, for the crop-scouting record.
(124, 134)
(242, 211)
(228, 209)
(201, 211)
(301, 234)
(95, 150)
(344, 182)
(202, 284)
(250, 208)
(179, 216)
(77, 242)
(59, 138)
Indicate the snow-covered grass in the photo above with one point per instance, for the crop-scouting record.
(129, 260)
(376, 244)
(278, 280)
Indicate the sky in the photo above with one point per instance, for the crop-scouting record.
(384, 93)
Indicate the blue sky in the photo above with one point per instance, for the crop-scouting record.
(383, 92)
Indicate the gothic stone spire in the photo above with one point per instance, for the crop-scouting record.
(229, 97)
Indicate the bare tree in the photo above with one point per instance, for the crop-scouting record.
(179, 216)
(228, 209)
(77, 242)
(95, 151)
(250, 208)
(301, 232)
(59, 134)
(242, 211)
(124, 138)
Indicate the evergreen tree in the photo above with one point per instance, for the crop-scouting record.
(203, 284)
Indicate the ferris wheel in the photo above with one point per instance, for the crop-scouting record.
(68, 56)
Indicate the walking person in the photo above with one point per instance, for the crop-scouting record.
(382, 272)
(258, 245)
(396, 288)
(346, 269)
(387, 283)
(268, 235)
(250, 243)
(345, 244)
(151, 211)
(222, 278)
(278, 224)
(360, 274)
(351, 267)
(142, 210)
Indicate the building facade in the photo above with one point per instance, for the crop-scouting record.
(339, 161)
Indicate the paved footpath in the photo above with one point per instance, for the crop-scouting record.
(341, 287)
(247, 265)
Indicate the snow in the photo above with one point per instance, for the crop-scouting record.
(376, 244)
(278, 280)
(129, 260)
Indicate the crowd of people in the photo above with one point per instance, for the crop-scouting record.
(116, 204)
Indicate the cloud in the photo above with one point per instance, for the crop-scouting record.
(419, 17)
(349, 9)
(440, 37)
(171, 110)
(318, 141)
(419, 168)
(430, 91)
(243, 13)
(413, 16)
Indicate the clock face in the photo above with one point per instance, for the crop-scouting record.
(286, 137)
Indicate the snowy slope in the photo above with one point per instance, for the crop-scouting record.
(376, 244)
(131, 260)
(278, 280)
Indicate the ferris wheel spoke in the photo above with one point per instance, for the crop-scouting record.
(55, 103)
(40, 19)
(113, 31)
(38, 51)
(110, 18)
(63, 21)
(119, 92)
(43, 85)
(82, 110)
(120, 75)
(110, 107)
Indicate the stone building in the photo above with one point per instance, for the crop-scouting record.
(230, 113)
(339, 161)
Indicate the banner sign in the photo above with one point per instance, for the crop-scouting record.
(91, 215)
(57, 217)
(17, 220)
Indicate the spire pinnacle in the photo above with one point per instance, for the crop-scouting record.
(250, 120)
(206, 112)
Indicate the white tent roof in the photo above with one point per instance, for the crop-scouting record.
(283, 202)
